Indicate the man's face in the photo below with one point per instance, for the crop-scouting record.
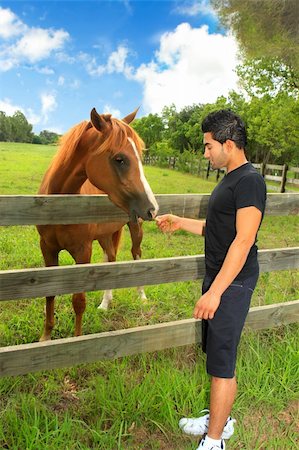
(214, 152)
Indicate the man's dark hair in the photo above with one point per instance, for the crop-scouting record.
(224, 125)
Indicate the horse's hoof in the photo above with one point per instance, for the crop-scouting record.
(44, 338)
(103, 307)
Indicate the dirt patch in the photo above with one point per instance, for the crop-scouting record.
(144, 439)
(68, 395)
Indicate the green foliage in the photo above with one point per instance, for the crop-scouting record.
(272, 126)
(149, 128)
(266, 30)
(48, 137)
(15, 128)
(267, 76)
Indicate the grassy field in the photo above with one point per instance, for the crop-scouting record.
(136, 402)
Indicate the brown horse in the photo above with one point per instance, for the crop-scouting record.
(100, 156)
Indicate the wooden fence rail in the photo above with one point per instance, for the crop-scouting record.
(70, 209)
(201, 167)
(30, 283)
(22, 359)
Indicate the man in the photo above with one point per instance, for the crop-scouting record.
(235, 211)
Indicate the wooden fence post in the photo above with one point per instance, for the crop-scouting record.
(208, 170)
(283, 178)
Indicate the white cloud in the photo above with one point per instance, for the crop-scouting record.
(194, 8)
(191, 66)
(116, 62)
(49, 104)
(61, 81)
(38, 43)
(9, 108)
(110, 110)
(32, 117)
(45, 70)
(10, 25)
(30, 45)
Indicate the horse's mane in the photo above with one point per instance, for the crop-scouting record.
(119, 135)
(67, 145)
(69, 141)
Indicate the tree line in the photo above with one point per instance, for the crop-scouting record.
(16, 128)
(272, 128)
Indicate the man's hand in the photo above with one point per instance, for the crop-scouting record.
(206, 306)
(168, 222)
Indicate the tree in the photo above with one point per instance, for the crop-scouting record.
(21, 129)
(272, 129)
(266, 75)
(267, 31)
(5, 127)
(48, 137)
(149, 128)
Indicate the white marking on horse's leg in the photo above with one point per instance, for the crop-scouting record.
(108, 294)
(107, 298)
(141, 293)
(144, 181)
(140, 289)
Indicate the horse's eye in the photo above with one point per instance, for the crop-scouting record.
(119, 160)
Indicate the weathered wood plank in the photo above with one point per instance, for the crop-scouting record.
(69, 209)
(92, 277)
(293, 180)
(282, 204)
(22, 359)
(57, 209)
(39, 282)
(270, 316)
(274, 166)
(273, 177)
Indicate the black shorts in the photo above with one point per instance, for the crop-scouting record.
(221, 335)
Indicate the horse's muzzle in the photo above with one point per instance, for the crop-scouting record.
(145, 210)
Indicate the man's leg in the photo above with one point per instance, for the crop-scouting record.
(222, 396)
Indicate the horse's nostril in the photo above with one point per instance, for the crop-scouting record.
(151, 214)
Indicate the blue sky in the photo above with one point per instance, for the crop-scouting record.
(59, 59)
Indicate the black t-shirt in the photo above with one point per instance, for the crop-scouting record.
(239, 188)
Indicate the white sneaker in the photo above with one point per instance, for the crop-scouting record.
(200, 425)
(203, 445)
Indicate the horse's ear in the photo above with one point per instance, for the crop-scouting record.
(128, 119)
(102, 122)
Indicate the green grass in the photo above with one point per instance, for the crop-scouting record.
(136, 402)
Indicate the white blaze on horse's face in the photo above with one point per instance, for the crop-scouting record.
(147, 188)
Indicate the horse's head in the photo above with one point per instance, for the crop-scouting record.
(114, 165)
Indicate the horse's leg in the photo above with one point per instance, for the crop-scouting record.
(51, 259)
(108, 294)
(136, 232)
(109, 244)
(81, 255)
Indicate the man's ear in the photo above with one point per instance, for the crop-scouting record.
(230, 145)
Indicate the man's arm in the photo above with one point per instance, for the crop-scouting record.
(247, 224)
(170, 223)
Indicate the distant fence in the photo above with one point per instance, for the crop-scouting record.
(281, 174)
(37, 282)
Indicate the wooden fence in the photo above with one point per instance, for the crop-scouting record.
(30, 283)
(281, 174)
